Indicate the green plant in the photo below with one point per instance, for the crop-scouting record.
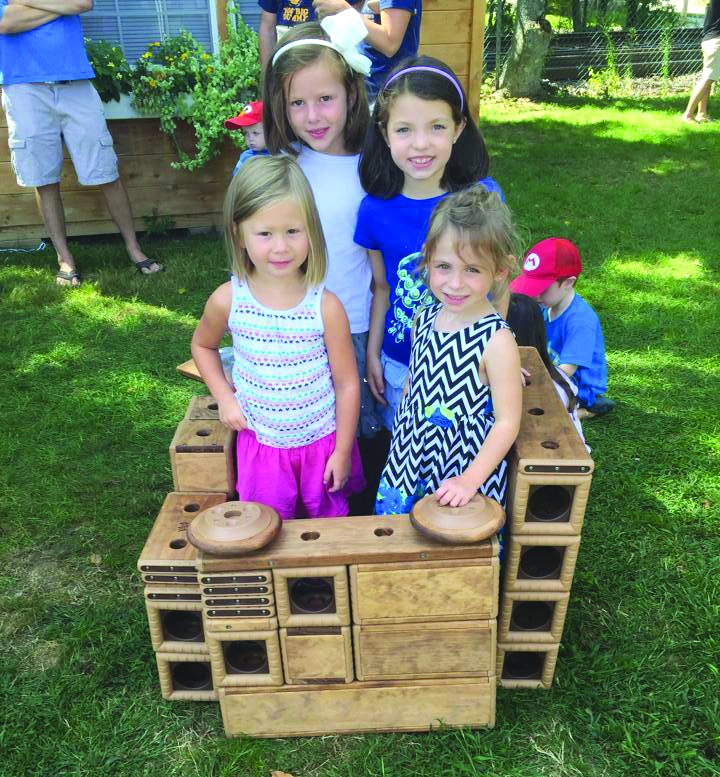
(166, 73)
(158, 225)
(113, 75)
(232, 82)
(179, 80)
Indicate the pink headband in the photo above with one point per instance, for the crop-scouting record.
(428, 69)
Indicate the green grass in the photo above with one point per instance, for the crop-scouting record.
(91, 399)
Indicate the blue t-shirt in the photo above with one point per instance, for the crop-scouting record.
(382, 65)
(52, 52)
(288, 13)
(397, 228)
(575, 337)
(247, 154)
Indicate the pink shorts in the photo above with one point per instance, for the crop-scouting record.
(291, 479)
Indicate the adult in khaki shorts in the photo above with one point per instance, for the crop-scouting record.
(47, 98)
(697, 108)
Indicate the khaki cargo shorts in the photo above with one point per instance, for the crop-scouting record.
(711, 59)
(41, 116)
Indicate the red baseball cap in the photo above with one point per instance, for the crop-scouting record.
(544, 263)
(251, 114)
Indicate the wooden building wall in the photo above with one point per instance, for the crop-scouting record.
(452, 30)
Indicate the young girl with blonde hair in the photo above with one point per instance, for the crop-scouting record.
(296, 394)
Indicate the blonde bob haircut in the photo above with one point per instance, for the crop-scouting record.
(483, 224)
(263, 181)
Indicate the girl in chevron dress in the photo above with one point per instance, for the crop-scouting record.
(461, 410)
(295, 397)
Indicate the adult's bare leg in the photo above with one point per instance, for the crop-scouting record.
(118, 204)
(701, 88)
(53, 214)
(702, 109)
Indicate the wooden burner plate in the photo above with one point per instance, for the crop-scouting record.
(234, 528)
(479, 519)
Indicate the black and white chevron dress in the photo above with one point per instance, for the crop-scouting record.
(445, 417)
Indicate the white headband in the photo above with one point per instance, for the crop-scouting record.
(346, 31)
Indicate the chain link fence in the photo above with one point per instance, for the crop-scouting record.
(659, 51)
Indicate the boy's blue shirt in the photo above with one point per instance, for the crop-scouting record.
(575, 337)
(247, 154)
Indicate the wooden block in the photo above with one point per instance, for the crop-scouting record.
(256, 581)
(189, 370)
(547, 504)
(167, 553)
(176, 626)
(202, 409)
(185, 677)
(246, 617)
(220, 625)
(541, 563)
(249, 658)
(316, 596)
(320, 655)
(317, 542)
(358, 707)
(548, 442)
(425, 650)
(532, 616)
(238, 602)
(202, 454)
(424, 591)
(526, 665)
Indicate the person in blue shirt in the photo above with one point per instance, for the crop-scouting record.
(250, 122)
(276, 18)
(393, 34)
(48, 98)
(575, 339)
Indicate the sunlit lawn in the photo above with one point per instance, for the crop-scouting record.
(91, 399)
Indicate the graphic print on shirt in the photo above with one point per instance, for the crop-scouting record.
(410, 293)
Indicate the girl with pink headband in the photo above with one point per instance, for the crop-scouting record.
(422, 144)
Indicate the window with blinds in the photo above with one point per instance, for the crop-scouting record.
(133, 24)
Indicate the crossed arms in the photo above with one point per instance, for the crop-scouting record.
(23, 15)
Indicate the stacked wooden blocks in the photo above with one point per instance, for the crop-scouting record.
(549, 484)
(339, 625)
(364, 624)
(203, 467)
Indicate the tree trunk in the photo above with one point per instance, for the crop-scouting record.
(523, 66)
(577, 16)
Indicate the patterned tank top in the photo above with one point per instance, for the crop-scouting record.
(281, 372)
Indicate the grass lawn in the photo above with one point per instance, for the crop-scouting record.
(92, 398)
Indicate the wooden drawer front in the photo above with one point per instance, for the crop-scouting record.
(176, 627)
(250, 658)
(547, 503)
(397, 652)
(358, 707)
(185, 677)
(321, 655)
(312, 596)
(435, 590)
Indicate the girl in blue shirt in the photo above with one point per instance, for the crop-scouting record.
(422, 144)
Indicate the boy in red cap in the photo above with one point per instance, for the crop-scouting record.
(575, 339)
(250, 122)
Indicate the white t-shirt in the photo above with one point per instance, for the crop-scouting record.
(335, 184)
